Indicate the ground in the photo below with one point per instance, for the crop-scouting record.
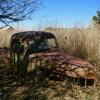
(40, 85)
(43, 86)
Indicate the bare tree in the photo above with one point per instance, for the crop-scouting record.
(16, 10)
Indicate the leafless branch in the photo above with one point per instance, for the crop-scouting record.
(17, 10)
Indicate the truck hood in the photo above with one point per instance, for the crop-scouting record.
(65, 64)
(61, 58)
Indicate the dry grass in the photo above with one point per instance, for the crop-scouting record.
(79, 42)
(5, 38)
(82, 43)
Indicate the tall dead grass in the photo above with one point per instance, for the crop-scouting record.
(79, 42)
(82, 43)
(5, 38)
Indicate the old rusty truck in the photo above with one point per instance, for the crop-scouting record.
(39, 50)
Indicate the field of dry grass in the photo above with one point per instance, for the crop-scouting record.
(82, 43)
(79, 42)
(5, 37)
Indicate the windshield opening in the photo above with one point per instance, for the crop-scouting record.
(37, 45)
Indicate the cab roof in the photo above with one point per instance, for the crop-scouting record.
(31, 34)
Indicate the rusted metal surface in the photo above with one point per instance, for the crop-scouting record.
(64, 64)
(31, 34)
(49, 59)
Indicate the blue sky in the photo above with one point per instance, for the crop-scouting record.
(65, 13)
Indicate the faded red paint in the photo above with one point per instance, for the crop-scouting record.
(65, 64)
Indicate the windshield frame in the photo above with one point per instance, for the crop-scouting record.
(41, 48)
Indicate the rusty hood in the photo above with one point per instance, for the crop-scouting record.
(64, 64)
